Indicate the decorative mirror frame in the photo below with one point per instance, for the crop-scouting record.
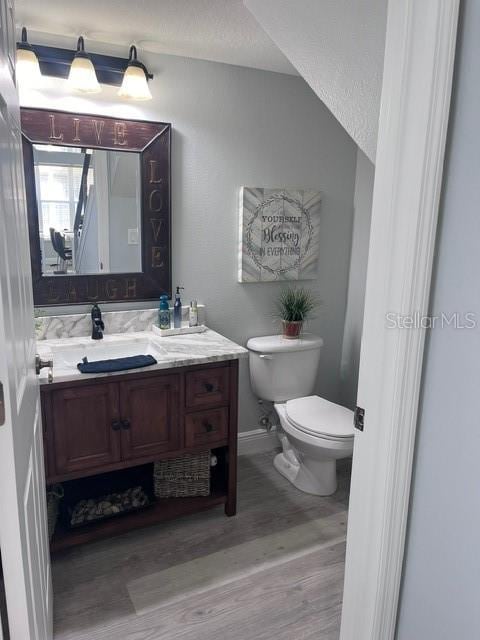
(152, 140)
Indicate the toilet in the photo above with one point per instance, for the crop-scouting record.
(315, 432)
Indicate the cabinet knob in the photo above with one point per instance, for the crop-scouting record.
(116, 425)
(209, 386)
(208, 427)
(125, 424)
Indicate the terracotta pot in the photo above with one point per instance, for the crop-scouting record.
(292, 330)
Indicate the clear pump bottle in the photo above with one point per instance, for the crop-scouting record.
(177, 310)
(193, 314)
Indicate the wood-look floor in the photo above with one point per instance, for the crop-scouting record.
(121, 589)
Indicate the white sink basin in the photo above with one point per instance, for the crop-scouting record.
(69, 355)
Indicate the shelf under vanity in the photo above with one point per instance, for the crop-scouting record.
(159, 509)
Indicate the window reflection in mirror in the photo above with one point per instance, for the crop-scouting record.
(89, 209)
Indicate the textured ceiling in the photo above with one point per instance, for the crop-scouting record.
(217, 30)
(338, 48)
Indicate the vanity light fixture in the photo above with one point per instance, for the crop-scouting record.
(82, 76)
(135, 79)
(28, 68)
(84, 72)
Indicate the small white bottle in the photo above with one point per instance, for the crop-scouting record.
(193, 314)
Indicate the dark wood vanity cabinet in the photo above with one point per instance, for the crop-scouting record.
(115, 423)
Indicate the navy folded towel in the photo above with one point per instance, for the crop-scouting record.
(116, 364)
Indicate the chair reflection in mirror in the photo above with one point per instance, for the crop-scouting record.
(63, 253)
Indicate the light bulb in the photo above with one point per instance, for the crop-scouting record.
(135, 85)
(27, 67)
(82, 76)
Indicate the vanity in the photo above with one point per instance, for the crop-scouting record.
(102, 429)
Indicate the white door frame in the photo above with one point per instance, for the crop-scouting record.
(418, 68)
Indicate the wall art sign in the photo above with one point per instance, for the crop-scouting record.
(279, 234)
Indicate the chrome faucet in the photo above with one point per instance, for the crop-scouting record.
(97, 323)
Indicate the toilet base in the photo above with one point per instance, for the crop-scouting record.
(318, 478)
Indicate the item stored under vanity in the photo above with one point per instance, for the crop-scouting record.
(186, 476)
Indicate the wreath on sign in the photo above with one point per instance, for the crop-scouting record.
(257, 212)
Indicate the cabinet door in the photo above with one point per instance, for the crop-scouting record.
(149, 417)
(85, 427)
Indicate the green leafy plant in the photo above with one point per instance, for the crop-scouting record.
(295, 305)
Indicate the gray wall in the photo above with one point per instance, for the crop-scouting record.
(441, 590)
(352, 336)
(235, 126)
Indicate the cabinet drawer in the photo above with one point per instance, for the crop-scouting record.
(206, 427)
(207, 387)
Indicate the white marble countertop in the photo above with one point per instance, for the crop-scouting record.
(174, 351)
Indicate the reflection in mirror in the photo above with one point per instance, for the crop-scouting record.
(89, 210)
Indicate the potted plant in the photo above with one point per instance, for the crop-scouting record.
(294, 306)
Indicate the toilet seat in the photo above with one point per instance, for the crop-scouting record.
(320, 418)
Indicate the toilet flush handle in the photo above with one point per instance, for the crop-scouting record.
(265, 356)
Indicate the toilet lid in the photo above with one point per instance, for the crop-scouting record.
(318, 416)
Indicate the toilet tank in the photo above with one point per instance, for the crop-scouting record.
(282, 369)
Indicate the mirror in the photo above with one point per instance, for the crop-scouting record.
(89, 210)
(98, 201)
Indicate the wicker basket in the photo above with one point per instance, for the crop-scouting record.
(54, 495)
(181, 477)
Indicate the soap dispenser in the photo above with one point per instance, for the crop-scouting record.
(177, 310)
(164, 313)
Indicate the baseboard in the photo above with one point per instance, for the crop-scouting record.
(257, 441)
